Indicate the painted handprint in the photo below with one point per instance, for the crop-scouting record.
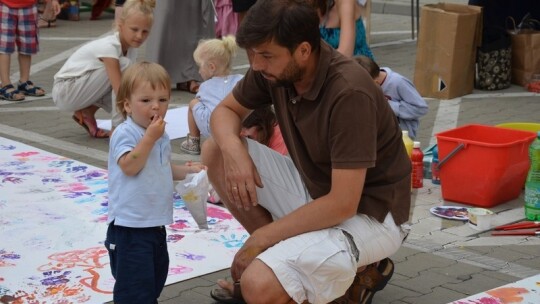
(232, 241)
(7, 147)
(191, 256)
(12, 179)
(61, 163)
(76, 169)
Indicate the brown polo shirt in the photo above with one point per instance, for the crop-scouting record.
(342, 122)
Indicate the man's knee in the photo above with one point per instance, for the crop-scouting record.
(260, 285)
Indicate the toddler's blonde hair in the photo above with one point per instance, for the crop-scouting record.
(136, 74)
(218, 51)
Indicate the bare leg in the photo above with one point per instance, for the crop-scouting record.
(193, 129)
(5, 62)
(253, 219)
(90, 112)
(25, 61)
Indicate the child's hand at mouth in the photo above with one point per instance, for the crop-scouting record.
(156, 128)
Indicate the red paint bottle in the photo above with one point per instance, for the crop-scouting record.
(417, 159)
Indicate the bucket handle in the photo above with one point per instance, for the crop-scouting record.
(452, 153)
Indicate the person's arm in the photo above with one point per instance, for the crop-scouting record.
(241, 176)
(180, 171)
(340, 204)
(133, 161)
(112, 66)
(408, 104)
(347, 24)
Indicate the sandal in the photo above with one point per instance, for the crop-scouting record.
(224, 296)
(367, 282)
(42, 22)
(8, 92)
(28, 88)
(82, 121)
(191, 86)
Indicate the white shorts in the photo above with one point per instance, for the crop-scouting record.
(316, 266)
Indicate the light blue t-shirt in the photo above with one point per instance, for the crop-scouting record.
(146, 199)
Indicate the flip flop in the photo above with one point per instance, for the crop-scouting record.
(224, 296)
(79, 118)
(367, 282)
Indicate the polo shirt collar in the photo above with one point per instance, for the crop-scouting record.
(325, 56)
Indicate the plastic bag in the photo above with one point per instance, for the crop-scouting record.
(194, 192)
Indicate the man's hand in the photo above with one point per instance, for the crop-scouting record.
(251, 249)
(242, 178)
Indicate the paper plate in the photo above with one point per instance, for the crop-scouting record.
(451, 212)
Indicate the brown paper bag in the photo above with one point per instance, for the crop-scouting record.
(525, 55)
(446, 52)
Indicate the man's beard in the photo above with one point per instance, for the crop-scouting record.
(290, 75)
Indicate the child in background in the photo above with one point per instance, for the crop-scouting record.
(91, 76)
(401, 93)
(18, 26)
(141, 186)
(214, 58)
(226, 19)
(342, 26)
(48, 9)
(261, 125)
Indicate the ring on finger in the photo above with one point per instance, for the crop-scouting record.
(235, 188)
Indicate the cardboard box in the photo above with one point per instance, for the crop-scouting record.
(448, 37)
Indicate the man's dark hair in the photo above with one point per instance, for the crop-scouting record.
(286, 22)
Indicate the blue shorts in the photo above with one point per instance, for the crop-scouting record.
(139, 262)
(18, 26)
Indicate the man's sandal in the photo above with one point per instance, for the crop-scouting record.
(28, 88)
(367, 282)
(8, 92)
(224, 296)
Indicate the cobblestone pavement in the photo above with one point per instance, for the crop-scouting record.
(441, 261)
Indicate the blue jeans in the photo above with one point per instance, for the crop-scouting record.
(139, 263)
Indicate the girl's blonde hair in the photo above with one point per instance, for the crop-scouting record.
(136, 74)
(146, 7)
(218, 51)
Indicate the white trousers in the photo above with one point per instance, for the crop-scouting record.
(92, 88)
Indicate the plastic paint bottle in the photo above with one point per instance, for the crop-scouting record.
(532, 183)
(408, 142)
(417, 159)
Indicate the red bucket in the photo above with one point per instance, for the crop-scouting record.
(483, 165)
